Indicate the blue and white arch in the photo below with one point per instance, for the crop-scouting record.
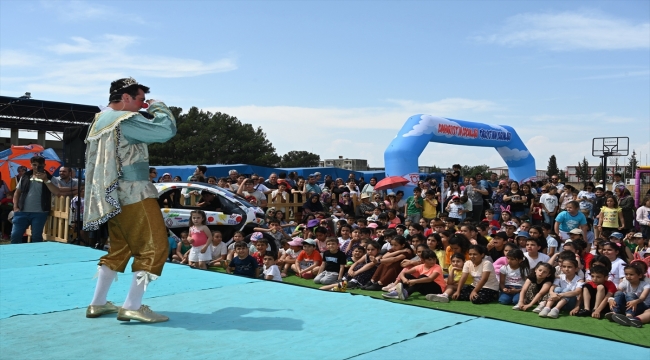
(401, 156)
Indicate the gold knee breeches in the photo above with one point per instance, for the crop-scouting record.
(138, 231)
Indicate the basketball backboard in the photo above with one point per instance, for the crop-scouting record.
(610, 146)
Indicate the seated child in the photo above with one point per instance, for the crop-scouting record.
(243, 264)
(271, 270)
(565, 291)
(333, 267)
(236, 237)
(498, 263)
(218, 249)
(455, 273)
(485, 287)
(357, 254)
(596, 292)
(434, 243)
(632, 297)
(290, 255)
(363, 269)
(513, 277)
(389, 264)
(182, 250)
(308, 261)
(260, 246)
(536, 288)
(426, 278)
(533, 254)
(406, 265)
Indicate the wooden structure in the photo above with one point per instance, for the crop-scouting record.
(57, 226)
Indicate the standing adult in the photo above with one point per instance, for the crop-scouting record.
(120, 193)
(475, 193)
(312, 186)
(515, 199)
(32, 201)
(555, 181)
(369, 188)
(587, 199)
(618, 181)
(65, 182)
(16, 179)
(626, 202)
(272, 182)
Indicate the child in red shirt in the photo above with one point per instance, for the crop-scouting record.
(308, 261)
(596, 292)
(261, 246)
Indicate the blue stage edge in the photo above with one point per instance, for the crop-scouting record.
(45, 288)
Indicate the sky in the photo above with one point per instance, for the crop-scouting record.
(340, 78)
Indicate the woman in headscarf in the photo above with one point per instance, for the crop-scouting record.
(313, 204)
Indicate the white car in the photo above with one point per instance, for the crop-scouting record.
(229, 213)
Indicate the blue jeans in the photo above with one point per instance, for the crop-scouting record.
(21, 222)
(415, 218)
(570, 301)
(508, 299)
(621, 298)
(548, 218)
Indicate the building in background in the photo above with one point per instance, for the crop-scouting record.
(348, 164)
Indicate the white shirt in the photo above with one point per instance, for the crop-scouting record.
(627, 288)
(541, 257)
(219, 250)
(273, 271)
(477, 273)
(568, 285)
(513, 276)
(618, 270)
(550, 201)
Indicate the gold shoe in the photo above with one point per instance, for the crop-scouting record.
(143, 314)
(94, 311)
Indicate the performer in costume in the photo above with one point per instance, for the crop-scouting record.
(118, 192)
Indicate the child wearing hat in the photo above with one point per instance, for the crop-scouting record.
(290, 255)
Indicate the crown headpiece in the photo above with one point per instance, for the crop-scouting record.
(127, 82)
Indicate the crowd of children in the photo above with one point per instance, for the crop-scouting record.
(531, 248)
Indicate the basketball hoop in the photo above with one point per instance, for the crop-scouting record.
(605, 147)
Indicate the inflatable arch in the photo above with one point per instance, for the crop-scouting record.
(401, 156)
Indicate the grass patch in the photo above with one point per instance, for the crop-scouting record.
(586, 326)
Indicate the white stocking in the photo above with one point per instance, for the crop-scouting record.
(105, 277)
(136, 292)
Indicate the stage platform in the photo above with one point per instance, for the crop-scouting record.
(45, 288)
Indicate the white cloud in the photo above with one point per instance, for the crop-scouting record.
(85, 66)
(512, 154)
(588, 30)
(76, 11)
(355, 132)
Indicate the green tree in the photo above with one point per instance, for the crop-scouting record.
(469, 171)
(633, 164)
(206, 138)
(299, 159)
(552, 168)
(582, 171)
(598, 173)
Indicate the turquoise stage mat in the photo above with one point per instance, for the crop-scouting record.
(45, 288)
